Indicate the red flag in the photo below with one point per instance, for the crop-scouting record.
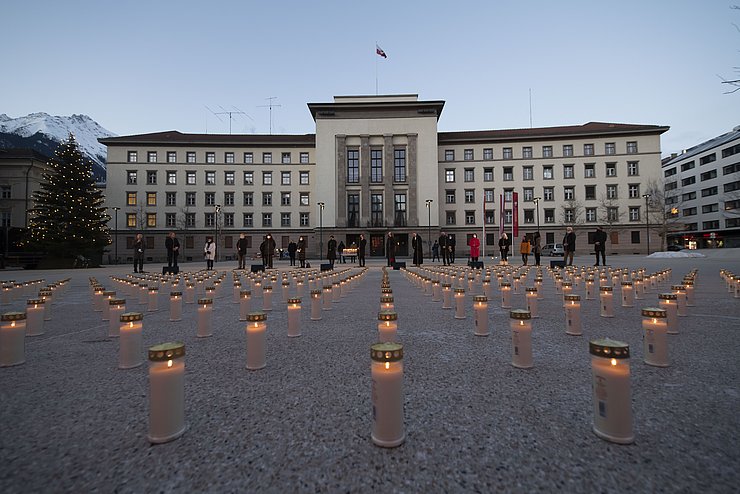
(515, 213)
(380, 51)
(501, 215)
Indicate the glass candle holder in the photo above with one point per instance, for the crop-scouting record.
(521, 338)
(267, 298)
(505, 295)
(387, 326)
(299, 287)
(628, 294)
(143, 293)
(35, 317)
(590, 288)
(153, 299)
(327, 297)
(285, 291)
(386, 371)
(117, 307)
(667, 302)
(236, 291)
(459, 303)
(531, 298)
(606, 296)
(294, 317)
(189, 293)
(130, 343)
(245, 304)
(316, 305)
(689, 287)
(612, 400)
(98, 299)
(386, 302)
(639, 288)
(655, 340)
(105, 304)
(487, 287)
(166, 392)
(336, 291)
(256, 329)
(446, 296)
(480, 308)
(12, 338)
(566, 288)
(205, 316)
(175, 306)
(680, 292)
(538, 286)
(573, 314)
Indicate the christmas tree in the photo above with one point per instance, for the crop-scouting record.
(68, 218)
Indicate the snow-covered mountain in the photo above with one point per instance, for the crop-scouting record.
(44, 132)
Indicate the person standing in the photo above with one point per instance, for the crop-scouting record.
(443, 248)
(263, 251)
(569, 246)
(331, 251)
(361, 250)
(474, 244)
(340, 252)
(418, 245)
(537, 248)
(302, 251)
(390, 249)
(139, 249)
(524, 249)
(209, 252)
(241, 250)
(292, 249)
(269, 250)
(435, 251)
(451, 243)
(173, 250)
(503, 246)
(600, 245)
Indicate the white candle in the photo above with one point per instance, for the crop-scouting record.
(531, 297)
(205, 313)
(166, 392)
(153, 299)
(130, 346)
(245, 304)
(387, 394)
(655, 341)
(538, 286)
(315, 305)
(590, 289)
(286, 291)
(667, 302)
(607, 301)
(294, 317)
(175, 306)
(446, 296)
(459, 303)
(689, 286)
(117, 307)
(299, 288)
(628, 294)
(612, 401)
(211, 291)
(680, 292)
(387, 326)
(143, 293)
(256, 329)
(566, 288)
(46, 295)
(336, 291)
(639, 288)
(35, 317)
(267, 298)
(105, 304)
(236, 291)
(573, 315)
(480, 308)
(98, 299)
(12, 338)
(521, 338)
(505, 295)
(487, 287)
(327, 297)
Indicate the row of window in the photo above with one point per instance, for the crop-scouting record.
(610, 148)
(706, 192)
(210, 157)
(548, 172)
(376, 165)
(548, 193)
(710, 158)
(708, 175)
(226, 220)
(132, 199)
(712, 224)
(132, 177)
(569, 215)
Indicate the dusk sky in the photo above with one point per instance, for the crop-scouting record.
(138, 67)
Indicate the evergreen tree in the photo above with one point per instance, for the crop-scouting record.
(68, 217)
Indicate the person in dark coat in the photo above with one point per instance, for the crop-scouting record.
(443, 248)
(451, 248)
(569, 245)
(241, 251)
(302, 251)
(600, 245)
(390, 249)
(435, 251)
(263, 251)
(269, 250)
(537, 248)
(173, 250)
(418, 245)
(340, 252)
(503, 246)
(139, 249)
(331, 251)
(292, 249)
(361, 250)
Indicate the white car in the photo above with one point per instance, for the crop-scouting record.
(553, 250)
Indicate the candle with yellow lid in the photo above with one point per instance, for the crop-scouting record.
(130, 343)
(205, 316)
(117, 307)
(34, 317)
(446, 296)
(245, 304)
(12, 338)
(667, 302)
(256, 329)
(606, 296)
(166, 392)
(459, 303)
(175, 306)
(315, 305)
(521, 338)
(612, 401)
(387, 326)
(480, 308)
(655, 341)
(573, 314)
(386, 371)
(531, 297)
(294, 317)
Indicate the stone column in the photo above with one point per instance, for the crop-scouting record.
(341, 174)
(411, 157)
(364, 180)
(389, 213)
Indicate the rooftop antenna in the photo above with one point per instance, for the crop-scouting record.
(530, 108)
(270, 105)
(230, 113)
(214, 113)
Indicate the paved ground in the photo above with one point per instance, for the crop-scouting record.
(71, 421)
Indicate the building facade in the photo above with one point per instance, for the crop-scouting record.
(378, 164)
(702, 193)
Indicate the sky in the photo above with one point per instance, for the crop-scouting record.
(149, 66)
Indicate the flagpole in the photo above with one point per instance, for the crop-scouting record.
(376, 68)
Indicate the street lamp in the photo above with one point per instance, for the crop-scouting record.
(321, 230)
(115, 233)
(217, 239)
(429, 224)
(647, 221)
(537, 207)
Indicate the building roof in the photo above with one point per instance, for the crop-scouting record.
(706, 146)
(16, 154)
(176, 137)
(560, 132)
(361, 106)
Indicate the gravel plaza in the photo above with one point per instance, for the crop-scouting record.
(72, 421)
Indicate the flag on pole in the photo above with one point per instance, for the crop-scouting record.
(501, 215)
(380, 51)
(515, 212)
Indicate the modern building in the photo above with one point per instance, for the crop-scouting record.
(378, 164)
(702, 193)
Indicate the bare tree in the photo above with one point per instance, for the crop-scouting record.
(734, 83)
(609, 213)
(664, 218)
(182, 225)
(141, 219)
(572, 212)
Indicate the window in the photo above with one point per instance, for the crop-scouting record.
(229, 178)
(610, 148)
(635, 236)
(376, 165)
(450, 218)
(508, 195)
(588, 149)
(131, 220)
(151, 157)
(508, 173)
(488, 174)
(508, 154)
(708, 159)
(228, 198)
(633, 169)
(490, 216)
(670, 172)
(731, 187)
(709, 175)
(210, 178)
(171, 177)
(591, 215)
(468, 155)
(470, 217)
(190, 177)
(634, 213)
(248, 198)
(568, 215)
(589, 170)
(248, 158)
(267, 198)
(190, 220)
(671, 186)
(399, 208)
(688, 181)
(285, 159)
(547, 151)
(508, 217)
(469, 196)
(450, 196)
(190, 198)
(688, 196)
(549, 215)
(190, 156)
(267, 158)
(526, 151)
(151, 220)
(131, 199)
(131, 177)
(528, 173)
(710, 208)
(248, 220)
(151, 198)
(687, 166)
(284, 219)
(353, 166)
(611, 191)
(712, 191)
(612, 214)
(285, 198)
(569, 171)
(229, 220)
(634, 191)
(210, 157)
(710, 225)
(353, 210)
(488, 154)
(548, 193)
(285, 178)
(730, 205)
(266, 178)
(691, 227)
(488, 195)
(210, 198)
(248, 178)
(170, 220)
(469, 175)
(547, 173)
(303, 178)
(171, 198)
(171, 156)
(590, 192)
(303, 158)
(376, 209)
(569, 193)
(132, 157)
(726, 170)
(730, 151)
(303, 219)
(266, 220)
(567, 150)
(528, 194)
(399, 165)
(631, 147)
(228, 157)
(304, 199)
(611, 169)
(449, 155)
(151, 177)
(449, 175)
(732, 222)
(529, 216)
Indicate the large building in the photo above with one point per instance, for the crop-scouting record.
(702, 193)
(378, 164)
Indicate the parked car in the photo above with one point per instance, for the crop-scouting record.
(551, 250)
(674, 248)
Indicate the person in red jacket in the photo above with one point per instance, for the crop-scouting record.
(474, 248)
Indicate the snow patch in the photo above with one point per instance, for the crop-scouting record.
(675, 255)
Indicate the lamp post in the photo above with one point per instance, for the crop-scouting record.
(429, 225)
(217, 239)
(115, 233)
(537, 207)
(647, 221)
(321, 230)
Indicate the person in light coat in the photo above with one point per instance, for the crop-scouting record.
(209, 251)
